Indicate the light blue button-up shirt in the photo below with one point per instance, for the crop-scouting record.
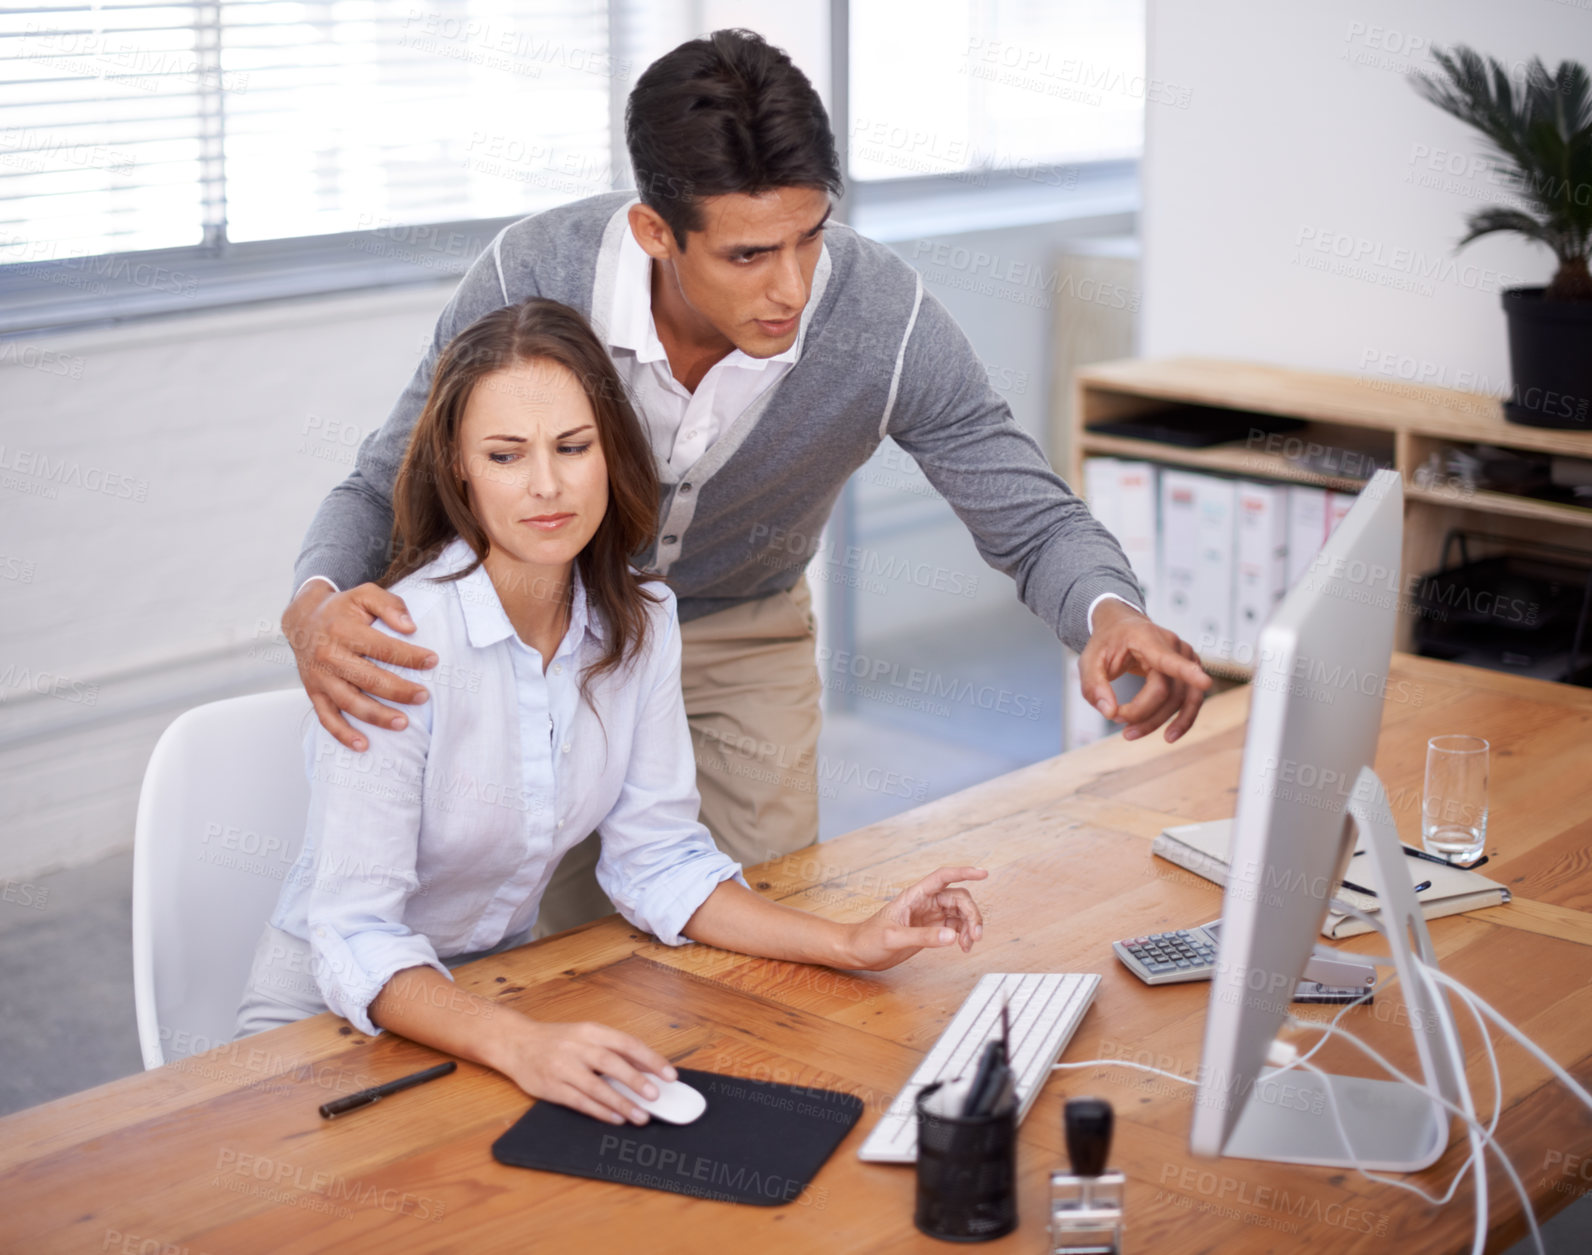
(440, 839)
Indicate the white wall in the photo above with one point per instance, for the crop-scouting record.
(158, 480)
(1300, 130)
(230, 426)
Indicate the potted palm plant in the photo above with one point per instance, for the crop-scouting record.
(1540, 131)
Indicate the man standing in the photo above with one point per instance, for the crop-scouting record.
(768, 352)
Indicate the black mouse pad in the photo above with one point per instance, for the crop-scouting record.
(756, 1143)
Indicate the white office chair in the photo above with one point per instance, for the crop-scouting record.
(220, 821)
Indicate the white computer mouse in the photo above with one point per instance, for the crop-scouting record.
(676, 1102)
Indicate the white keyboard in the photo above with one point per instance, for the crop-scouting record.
(1044, 1010)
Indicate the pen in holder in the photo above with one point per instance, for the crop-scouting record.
(967, 1171)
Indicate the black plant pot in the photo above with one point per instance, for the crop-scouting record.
(1550, 360)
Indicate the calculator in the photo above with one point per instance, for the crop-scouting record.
(1190, 954)
(1166, 958)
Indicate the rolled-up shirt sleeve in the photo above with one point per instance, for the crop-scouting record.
(364, 829)
(658, 863)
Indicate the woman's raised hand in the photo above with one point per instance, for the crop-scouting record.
(928, 915)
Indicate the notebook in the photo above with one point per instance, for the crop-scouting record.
(1202, 849)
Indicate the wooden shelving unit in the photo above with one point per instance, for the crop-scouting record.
(1410, 420)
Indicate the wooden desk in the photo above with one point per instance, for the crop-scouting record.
(225, 1152)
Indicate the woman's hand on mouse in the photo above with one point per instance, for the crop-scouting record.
(563, 1063)
(566, 1063)
(929, 915)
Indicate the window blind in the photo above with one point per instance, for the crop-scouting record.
(128, 127)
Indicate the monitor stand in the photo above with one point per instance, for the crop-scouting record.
(1287, 1117)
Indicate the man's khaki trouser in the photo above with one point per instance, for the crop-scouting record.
(751, 688)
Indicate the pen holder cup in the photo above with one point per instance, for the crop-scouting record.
(967, 1174)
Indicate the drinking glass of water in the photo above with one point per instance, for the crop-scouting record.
(1454, 806)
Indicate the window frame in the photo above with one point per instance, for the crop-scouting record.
(60, 294)
(78, 293)
(984, 200)
(53, 294)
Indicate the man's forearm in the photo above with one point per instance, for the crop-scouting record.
(1105, 597)
(310, 595)
(348, 541)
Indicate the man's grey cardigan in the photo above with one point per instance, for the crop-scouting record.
(878, 357)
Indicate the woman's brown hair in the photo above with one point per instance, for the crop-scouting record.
(429, 503)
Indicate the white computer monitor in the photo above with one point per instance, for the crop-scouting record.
(1306, 794)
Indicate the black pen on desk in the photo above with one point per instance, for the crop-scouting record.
(1371, 893)
(1412, 852)
(352, 1102)
(1440, 860)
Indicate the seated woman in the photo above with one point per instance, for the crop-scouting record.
(555, 711)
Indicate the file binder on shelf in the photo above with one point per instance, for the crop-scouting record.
(1307, 528)
(1180, 549)
(1122, 497)
(1261, 575)
(1213, 573)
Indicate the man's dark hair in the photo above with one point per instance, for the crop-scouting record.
(729, 113)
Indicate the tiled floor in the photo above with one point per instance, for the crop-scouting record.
(66, 1002)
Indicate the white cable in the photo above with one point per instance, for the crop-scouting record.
(1481, 1137)
(1488, 1139)
(1479, 1238)
(1478, 1143)
(1342, 1011)
(1470, 998)
(1477, 1148)
(1123, 1063)
(1429, 972)
(1473, 1124)
(1303, 1061)
(1568, 1081)
(1424, 970)
(1477, 1154)
(1391, 978)
(1374, 922)
(1144, 1067)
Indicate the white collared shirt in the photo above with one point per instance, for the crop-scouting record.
(440, 839)
(680, 425)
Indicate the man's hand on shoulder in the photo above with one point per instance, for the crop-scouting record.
(333, 641)
(1125, 642)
